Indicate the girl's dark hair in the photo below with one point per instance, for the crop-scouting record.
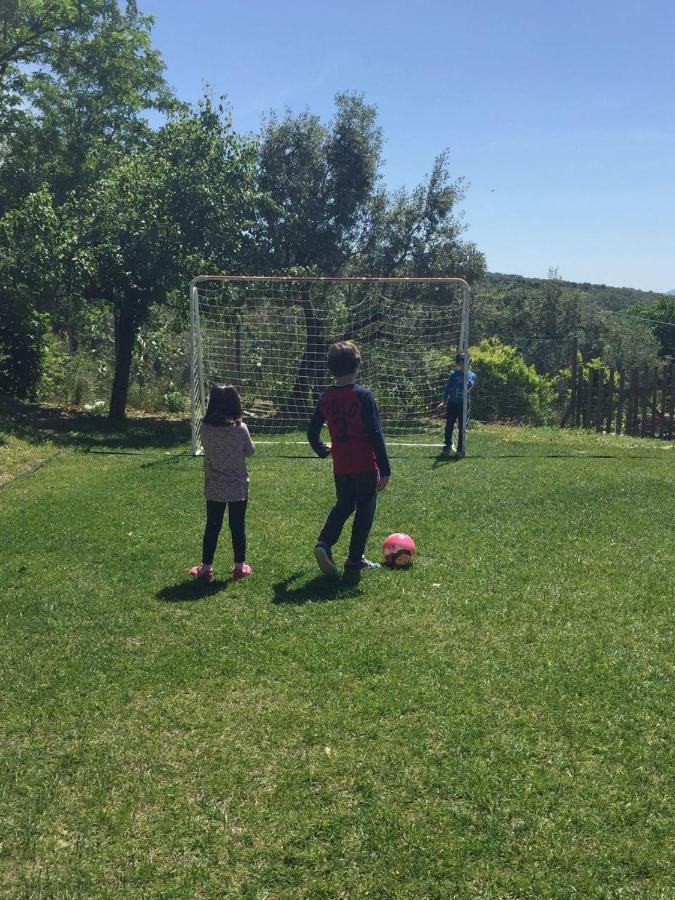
(224, 406)
(344, 358)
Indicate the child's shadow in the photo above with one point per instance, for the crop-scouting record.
(318, 590)
(191, 590)
(443, 459)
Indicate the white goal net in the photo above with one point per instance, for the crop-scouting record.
(269, 337)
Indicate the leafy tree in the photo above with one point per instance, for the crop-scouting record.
(326, 212)
(31, 29)
(78, 77)
(419, 232)
(661, 316)
(317, 180)
(161, 213)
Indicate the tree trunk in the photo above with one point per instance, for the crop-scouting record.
(312, 364)
(125, 332)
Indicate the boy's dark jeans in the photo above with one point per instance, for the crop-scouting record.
(215, 512)
(354, 493)
(454, 413)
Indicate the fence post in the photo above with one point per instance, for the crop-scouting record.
(574, 413)
(599, 401)
(620, 400)
(631, 420)
(610, 400)
(644, 398)
(655, 391)
(588, 405)
(671, 405)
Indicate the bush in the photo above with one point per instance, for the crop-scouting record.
(507, 388)
(23, 332)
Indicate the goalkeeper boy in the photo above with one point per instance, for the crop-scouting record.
(453, 398)
(360, 462)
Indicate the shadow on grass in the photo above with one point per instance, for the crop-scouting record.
(191, 590)
(580, 456)
(317, 590)
(93, 433)
(442, 459)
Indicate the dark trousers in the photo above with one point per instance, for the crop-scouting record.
(454, 413)
(355, 493)
(215, 513)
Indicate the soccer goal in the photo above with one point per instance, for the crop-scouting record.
(269, 336)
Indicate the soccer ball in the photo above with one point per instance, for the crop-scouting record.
(399, 550)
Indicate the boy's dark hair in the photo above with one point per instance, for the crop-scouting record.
(224, 406)
(344, 358)
(460, 358)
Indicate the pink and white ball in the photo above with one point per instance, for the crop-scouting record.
(399, 551)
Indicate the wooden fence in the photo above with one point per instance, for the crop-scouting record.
(638, 402)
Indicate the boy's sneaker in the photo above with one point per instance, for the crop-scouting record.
(445, 451)
(324, 559)
(242, 571)
(202, 573)
(363, 565)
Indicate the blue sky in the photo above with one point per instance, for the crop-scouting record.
(560, 115)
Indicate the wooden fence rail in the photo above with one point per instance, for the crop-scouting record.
(638, 402)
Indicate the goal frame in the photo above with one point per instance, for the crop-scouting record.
(198, 387)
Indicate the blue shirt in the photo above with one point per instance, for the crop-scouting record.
(454, 389)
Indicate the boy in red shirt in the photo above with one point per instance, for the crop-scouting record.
(360, 461)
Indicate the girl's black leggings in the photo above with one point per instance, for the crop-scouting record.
(215, 513)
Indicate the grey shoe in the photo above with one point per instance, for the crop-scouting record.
(324, 559)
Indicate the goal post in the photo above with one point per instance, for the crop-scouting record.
(269, 335)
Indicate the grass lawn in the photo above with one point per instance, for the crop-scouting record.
(493, 723)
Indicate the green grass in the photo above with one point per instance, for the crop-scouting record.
(493, 723)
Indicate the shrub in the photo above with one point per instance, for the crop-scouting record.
(507, 388)
(23, 331)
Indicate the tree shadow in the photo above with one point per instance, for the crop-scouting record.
(84, 431)
(320, 589)
(191, 590)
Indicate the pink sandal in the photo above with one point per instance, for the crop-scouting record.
(242, 571)
(202, 573)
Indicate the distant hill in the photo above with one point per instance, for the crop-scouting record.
(604, 295)
(670, 293)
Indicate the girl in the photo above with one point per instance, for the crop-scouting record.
(227, 443)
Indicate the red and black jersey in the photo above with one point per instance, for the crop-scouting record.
(355, 430)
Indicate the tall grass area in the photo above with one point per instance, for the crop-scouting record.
(493, 723)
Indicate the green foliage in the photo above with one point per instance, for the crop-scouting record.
(82, 76)
(419, 232)
(162, 212)
(22, 340)
(661, 315)
(323, 205)
(29, 275)
(507, 388)
(616, 299)
(316, 182)
(546, 319)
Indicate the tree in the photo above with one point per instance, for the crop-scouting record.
(317, 180)
(78, 78)
(327, 213)
(419, 232)
(183, 203)
(661, 316)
